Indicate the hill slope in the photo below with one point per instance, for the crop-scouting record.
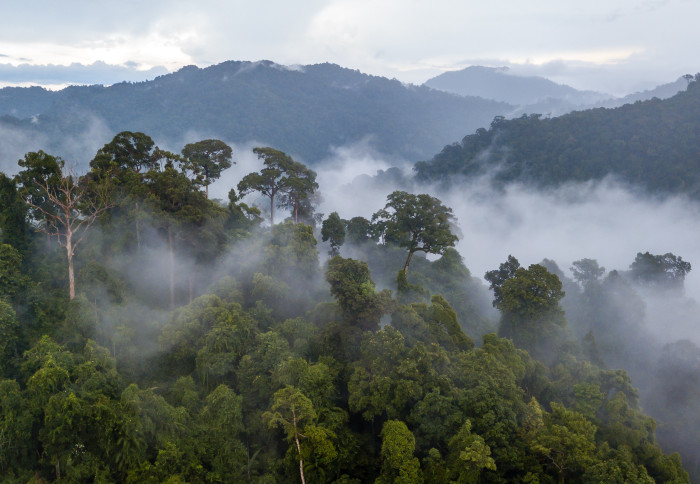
(655, 144)
(304, 111)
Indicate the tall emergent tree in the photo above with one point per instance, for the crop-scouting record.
(292, 411)
(62, 205)
(354, 289)
(132, 151)
(301, 183)
(13, 215)
(333, 230)
(417, 223)
(208, 158)
(530, 311)
(498, 277)
(178, 205)
(667, 269)
(282, 176)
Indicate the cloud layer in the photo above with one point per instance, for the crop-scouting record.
(636, 44)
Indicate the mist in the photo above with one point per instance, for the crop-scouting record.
(638, 327)
(18, 139)
(605, 220)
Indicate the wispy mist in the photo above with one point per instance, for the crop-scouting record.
(603, 220)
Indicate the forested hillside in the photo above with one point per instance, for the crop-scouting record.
(150, 334)
(654, 144)
(305, 110)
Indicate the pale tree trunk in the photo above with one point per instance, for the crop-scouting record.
(71, 271)
(272, 211)
(296, 439)
(171, 251)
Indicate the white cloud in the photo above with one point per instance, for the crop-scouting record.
(598, 41)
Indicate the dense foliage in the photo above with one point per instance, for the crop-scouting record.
(653, 144)
(204, 347)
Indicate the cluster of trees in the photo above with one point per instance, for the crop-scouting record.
(652, 144)
(267, 366)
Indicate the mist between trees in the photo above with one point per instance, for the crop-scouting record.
(202, 344)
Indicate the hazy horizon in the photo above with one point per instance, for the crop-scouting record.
(635, 46)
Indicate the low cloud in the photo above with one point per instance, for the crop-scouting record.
(75, 74)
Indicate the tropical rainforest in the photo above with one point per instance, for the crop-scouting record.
(151, 334)
(650, 144)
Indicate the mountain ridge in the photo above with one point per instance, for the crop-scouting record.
(651, 143)
(305, 110)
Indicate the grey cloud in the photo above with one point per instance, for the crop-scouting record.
(95, 73)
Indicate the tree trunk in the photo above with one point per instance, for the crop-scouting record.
(296, 439)
(296, 212)
(138, 230)
(272, 211)
(71, 273)
(172, 268)
(408, 261)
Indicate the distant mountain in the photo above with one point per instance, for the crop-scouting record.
(537, 95)
(654, 143)
(304, 111)
(498, 83)
(664, 91)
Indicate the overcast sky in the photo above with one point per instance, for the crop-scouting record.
(615, 46)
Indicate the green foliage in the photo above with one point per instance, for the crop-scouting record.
(12, 279)
(207, 159)
(127, 152)
(565, 440)
(666, 269)
(39, 169)
(359, 230)
(333, 230)
(469, 456)
(648, 143)
(355, 292)
(14, 229)
(436, 323)
(530, 311)
(9, 336)
(531, 292)
(263, 378)
(291, 252)
(398, 463)
(284, 181)
(497, 278)
(416, 223)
